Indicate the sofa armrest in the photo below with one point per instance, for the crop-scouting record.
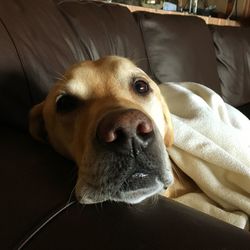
(36, 183)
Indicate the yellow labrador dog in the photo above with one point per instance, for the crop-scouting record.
(110, 118)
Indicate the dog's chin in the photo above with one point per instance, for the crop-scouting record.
(138, 195)
(125, 177)
(134, 190)
(130, 197)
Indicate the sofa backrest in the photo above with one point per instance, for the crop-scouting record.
(105, 29)
(43, 44)
(41, 39)
(179, 48)
(14, 90)
(232, 47)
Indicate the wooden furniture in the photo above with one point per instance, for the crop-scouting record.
(208, 20)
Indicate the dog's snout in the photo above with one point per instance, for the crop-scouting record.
(125, 129)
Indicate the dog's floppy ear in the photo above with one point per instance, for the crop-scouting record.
(36, 123)
(169, 132)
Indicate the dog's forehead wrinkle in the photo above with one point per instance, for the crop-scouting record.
(119, 69)
(85, 84)
(106, 86)
(77, 88)
(90, 79)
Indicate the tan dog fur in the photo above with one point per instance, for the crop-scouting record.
(100, 86)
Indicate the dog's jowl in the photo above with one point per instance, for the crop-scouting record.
(110, 118)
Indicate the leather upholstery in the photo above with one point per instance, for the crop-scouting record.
(37, 182)
(43, 44)
(232, 47)
(245, 109)
(38, 41)
(119, 34)
(179, 48)
(52, 36)
(13, 84)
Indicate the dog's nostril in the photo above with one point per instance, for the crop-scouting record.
(110, 137)
(119, 129)
(144, 132)
(107, 135)
(114, 135)
(144, 128)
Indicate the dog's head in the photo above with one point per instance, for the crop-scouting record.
(110, 118)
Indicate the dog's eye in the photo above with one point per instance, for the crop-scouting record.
(66, 103)
(141, 87)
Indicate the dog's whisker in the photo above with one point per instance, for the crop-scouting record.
(58, 79)
(99, 99)
(71, 195)
(59, 76)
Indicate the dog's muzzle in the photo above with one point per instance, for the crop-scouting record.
(135, 164)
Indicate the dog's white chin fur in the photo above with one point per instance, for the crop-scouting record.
(130, 197)
(137, 196)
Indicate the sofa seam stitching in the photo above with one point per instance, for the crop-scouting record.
(145, 48)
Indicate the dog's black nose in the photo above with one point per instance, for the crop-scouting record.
(125, 130)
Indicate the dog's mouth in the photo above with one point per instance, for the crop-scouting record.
(137, 180)
(144, 182)
(131, 162)
(129, 185)
(139, 186)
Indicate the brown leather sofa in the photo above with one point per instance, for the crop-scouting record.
(39, 39)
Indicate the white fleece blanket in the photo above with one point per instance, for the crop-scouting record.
(212, 147)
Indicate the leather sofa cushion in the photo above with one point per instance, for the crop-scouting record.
(36, 182)
(179, 48)
(42, 46)
(105, 29)
(15, 100)
(41, 39)
(245, 109)
(45, 43)
(233, 62)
